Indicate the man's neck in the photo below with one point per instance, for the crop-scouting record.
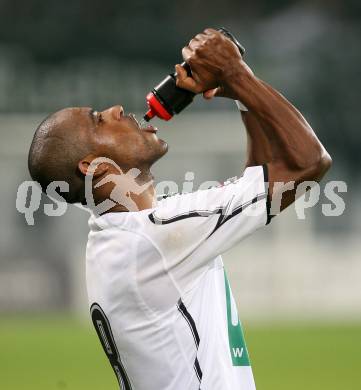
(131, 194)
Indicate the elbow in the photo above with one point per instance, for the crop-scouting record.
(312, 168)
(318, 170)
(326, 162)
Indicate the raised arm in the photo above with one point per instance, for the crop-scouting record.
(278, 134)
(259, 146)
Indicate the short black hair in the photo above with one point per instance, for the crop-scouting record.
(55, 151)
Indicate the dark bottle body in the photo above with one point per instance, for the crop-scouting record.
(174, 99)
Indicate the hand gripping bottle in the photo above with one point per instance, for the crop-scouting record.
(166, 99)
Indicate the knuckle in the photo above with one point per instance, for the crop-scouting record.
(192, 42)
(185, 51)
(209, 30)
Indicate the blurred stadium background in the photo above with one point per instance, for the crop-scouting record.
(297, 283)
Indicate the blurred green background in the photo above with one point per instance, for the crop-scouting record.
(297, 283)
(57, 353)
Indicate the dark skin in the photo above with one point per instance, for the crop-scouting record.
(277, 133)
(117, 136)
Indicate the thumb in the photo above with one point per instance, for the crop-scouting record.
(184, 81)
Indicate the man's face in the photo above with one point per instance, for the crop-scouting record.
(117, 136)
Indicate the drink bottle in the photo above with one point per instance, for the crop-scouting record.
(166, 99)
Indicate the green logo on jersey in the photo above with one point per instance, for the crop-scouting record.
(237, 344)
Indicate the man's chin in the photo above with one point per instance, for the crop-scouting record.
(164, 146)
(161, 150)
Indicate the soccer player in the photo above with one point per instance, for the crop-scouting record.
(159, 298)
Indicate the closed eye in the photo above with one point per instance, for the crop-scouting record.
(96, 116)
(100, 117)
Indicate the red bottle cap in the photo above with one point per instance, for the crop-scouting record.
(156, 108)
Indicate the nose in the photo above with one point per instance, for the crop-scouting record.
(115, 112)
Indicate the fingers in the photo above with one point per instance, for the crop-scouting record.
(181, 72)
(195, 42)
(210, 94)
(199, 41)
(186, 53)
(210, 31)
(199, 54)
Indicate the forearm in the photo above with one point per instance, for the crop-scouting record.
(217, 66)
(259, 147)
(289, 135)
(293, 152)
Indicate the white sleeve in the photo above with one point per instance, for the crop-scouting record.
(211, 221)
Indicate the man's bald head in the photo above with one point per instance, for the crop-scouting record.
(59, 143)
(66, 143)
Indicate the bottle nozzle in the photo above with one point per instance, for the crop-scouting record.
(156, 108)
(149, 115)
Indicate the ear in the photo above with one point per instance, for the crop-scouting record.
(84, 164)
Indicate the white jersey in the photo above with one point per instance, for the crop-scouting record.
(159, 297)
